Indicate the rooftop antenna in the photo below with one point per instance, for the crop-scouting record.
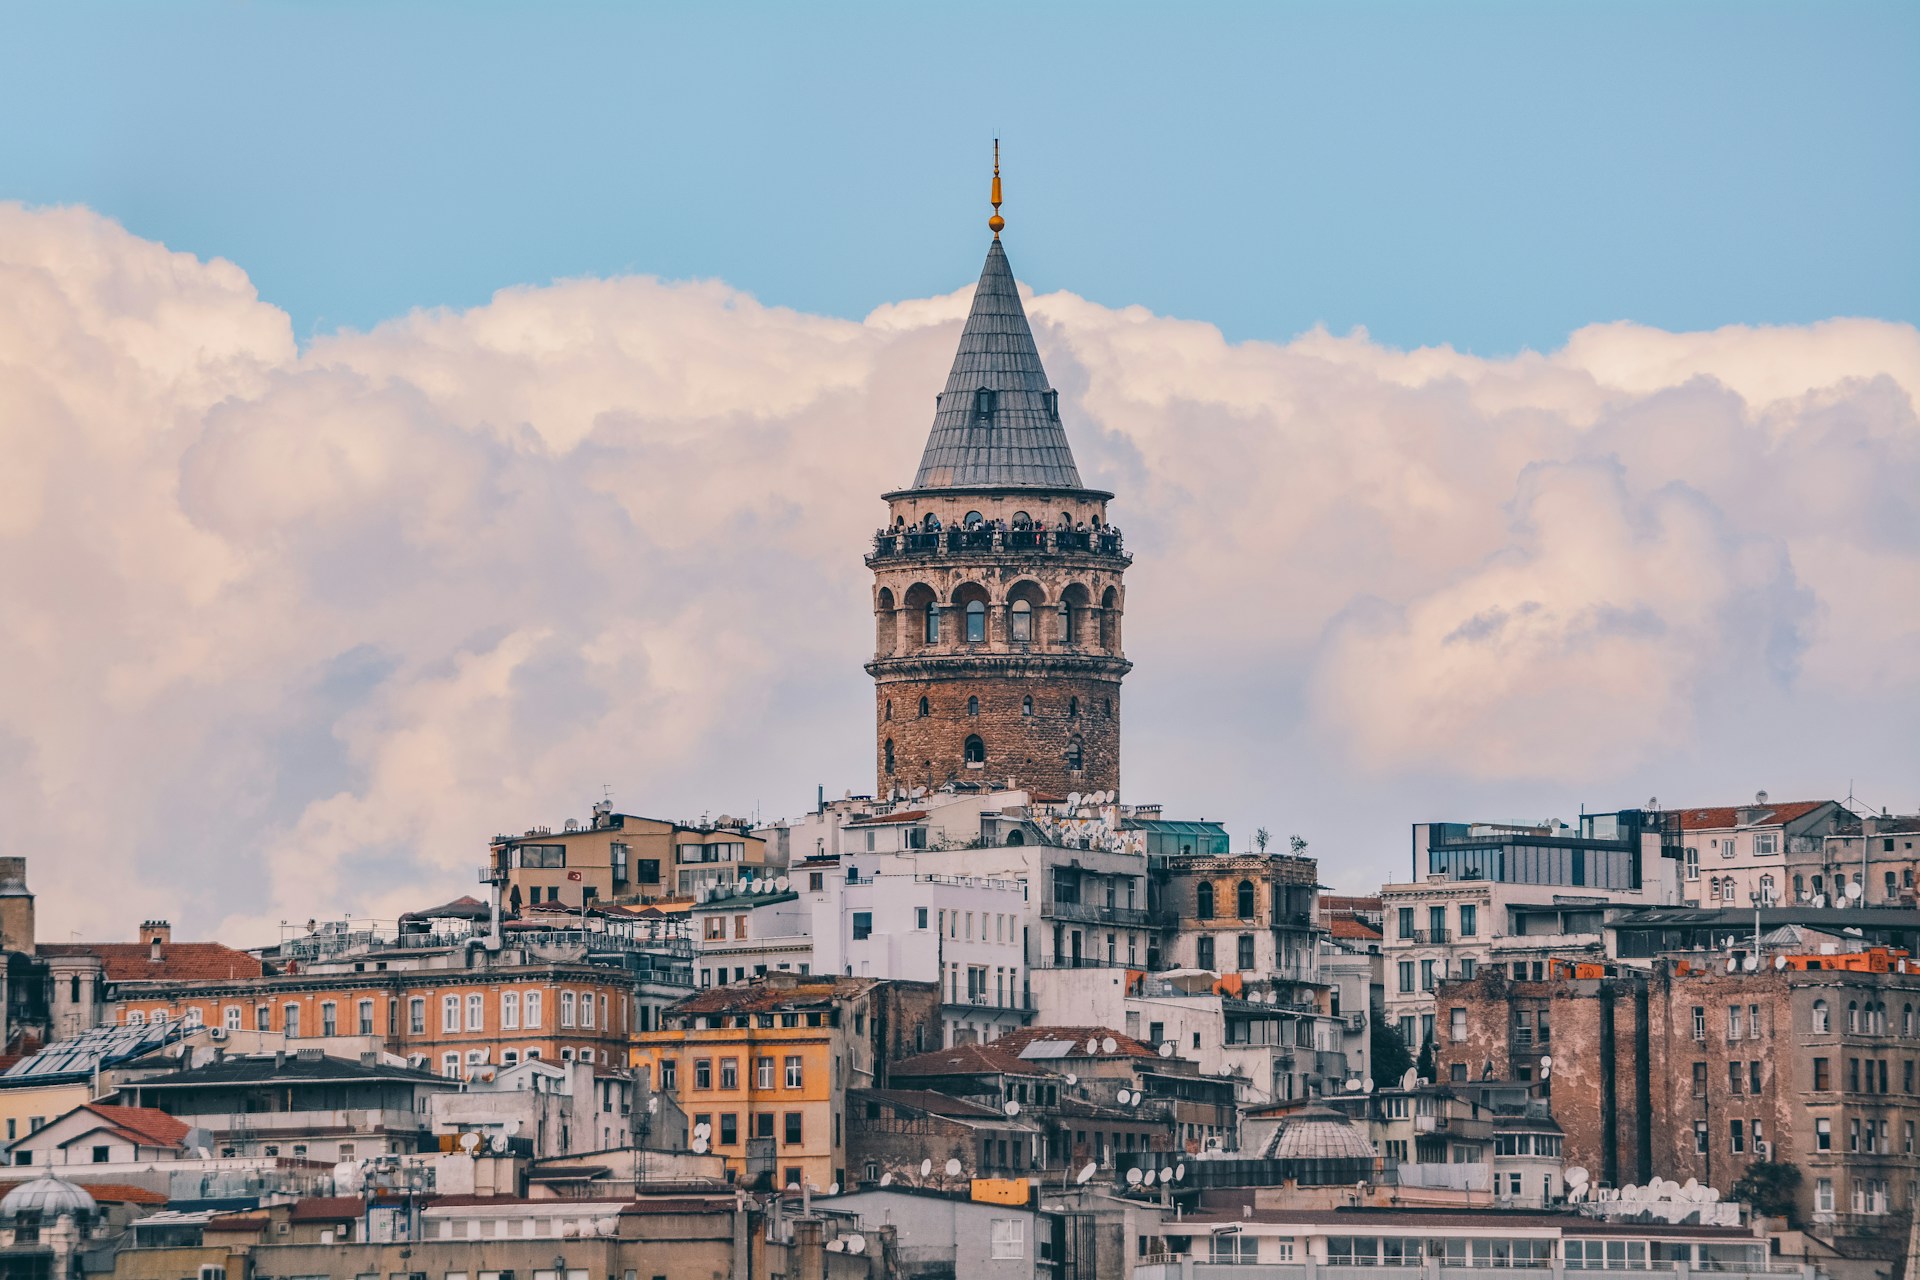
(996, 222)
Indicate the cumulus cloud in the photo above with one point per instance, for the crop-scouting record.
(291, 633)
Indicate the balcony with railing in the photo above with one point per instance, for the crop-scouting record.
(982, 541)
(1089, 913)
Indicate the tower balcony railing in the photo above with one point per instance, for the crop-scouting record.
(978, 540)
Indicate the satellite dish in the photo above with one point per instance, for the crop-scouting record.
(1133, 1177)
(856, 1243)
(1072, 1078)
(782, 883)
(1819, 899)
(1093, 1045)
(953, 1168)
(1409, 1079)
(606, 1225)
(1367, 1085)
(653, 1105)
(1109, 1044)
(1750, 963)
(699, 1146)
(1779, 962)
(886, 1179)
(1086, 1174)
(1180, 1172)
(1012, 1108)
(926, 1167)
(1546, 1073)
(1073, 799)
(1166, 1175)
(1853, 890)
(1546, 1059)
(1352, 1086)
(497, 1145)
(1123, 1097)
(836, 1246)
(703, 1131)
(833, 1188)
(1166, 1049)
(1134, 1100)
(469, 1142)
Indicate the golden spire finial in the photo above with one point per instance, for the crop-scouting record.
(996, 221)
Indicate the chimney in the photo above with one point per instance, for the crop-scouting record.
(16, 907)
(159, 931)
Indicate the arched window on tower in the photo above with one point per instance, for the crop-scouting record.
(889, 756)
(976, 621)
(1074, 751)
(1203, 901)
(1026, 706)
(1022, 622)
(973, 705)
(889, 714)
(983, 401)
(1243, 899)
(976, 750)
(923, 708)
(1073, 708)
(933, 623)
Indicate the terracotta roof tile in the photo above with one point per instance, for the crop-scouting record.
(111, 1192)
(1125, 1046)
(1348, 927)
(758, 997)
(149, 1126)
(179, 961)
(1723, 817)
(328, 1209)
(967, 1060)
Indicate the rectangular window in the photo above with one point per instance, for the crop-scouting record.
(230, 1019)
(729, 1129)
(1009, 1238)
(1699, 1022)
(1457, 1024)
(365, 1010)
(586, 1009)
(1427, 980)
(1733, 1077)
(1407, 931)
(703, 1073)
(532, 1011)
(1822, 1076)
(1245, 951)
(794, 1071)
(729, 1073)
(618, 855)
(509, 1010)
(449, 1013)
(476, 1012)
(920, 917)
(450, 1065)
(1823, 1195)
(1823, 1135)
(763, 1073)
(1469, 920)
(669, 1075)
(1753, 1077)
(566, 1008)
(1736, 1136)
(1699, 1079)
(1734, 1021)
(793, 1128)
(329, 1018)
(290, 1020)
(1406, 976)
(862, 925)
(1699, 1137)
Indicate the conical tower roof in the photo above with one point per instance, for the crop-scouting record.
(1011, 436)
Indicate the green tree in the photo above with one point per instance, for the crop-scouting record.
(1425, 1064)
(1390, 1056)
(1768, 1186)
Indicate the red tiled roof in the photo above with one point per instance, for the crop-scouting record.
(1719, 819)
(968, 1060)
(147, 1126)
(179, 961)
(1333, 902)
(1125, 1045)
(111, 1192)
(1348, 927)
(912, 815)
(760, 996)
(328, 1209)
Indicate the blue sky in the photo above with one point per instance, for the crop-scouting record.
(1491, 176)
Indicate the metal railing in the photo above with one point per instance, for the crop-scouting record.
(983, 541)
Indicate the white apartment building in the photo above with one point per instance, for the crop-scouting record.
(1518, 896)
(882, 916)
(1733, 853)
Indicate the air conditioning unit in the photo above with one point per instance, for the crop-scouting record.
(1356, 1022)
(1763, 1150)
(216, 1033)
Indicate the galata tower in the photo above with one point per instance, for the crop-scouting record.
(997, 592)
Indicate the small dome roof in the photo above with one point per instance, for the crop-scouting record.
(1320, 1133)
(52, 1196)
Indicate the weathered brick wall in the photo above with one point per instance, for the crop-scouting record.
(931, 750)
